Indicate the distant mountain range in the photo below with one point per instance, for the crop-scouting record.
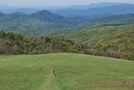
(43, 17)
(74, 10)
(113, 10)
(116, 18)
(45, 22)
(78, 7)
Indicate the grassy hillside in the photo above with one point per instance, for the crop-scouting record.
(97, 33)
(73, 72)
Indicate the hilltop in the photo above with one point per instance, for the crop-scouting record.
(73, 71)
(45, 15)
(42, 17)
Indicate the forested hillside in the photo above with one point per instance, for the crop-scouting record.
(123, 42)
(116, 18)
(44, 17)
(47, 23)
(45, 32)
(13, 43)
(33, 30)
(118, 46)
(44, 23)
(96, 33)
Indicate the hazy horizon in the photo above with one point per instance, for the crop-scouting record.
(58, 2)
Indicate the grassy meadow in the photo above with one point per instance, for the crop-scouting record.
(73, 72)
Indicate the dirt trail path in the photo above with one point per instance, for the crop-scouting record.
(47, 84)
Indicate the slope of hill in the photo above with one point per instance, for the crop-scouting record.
(96, 33)
(1, 14)
(95, 20)
(33, 30)
(6, 19)
(116, 18)
(44, 17)
(123, 42)
(118, 46)
(13, 43)
(113, 10)
(12, 18)
(47, 16)
(42, 25)
(73, 72)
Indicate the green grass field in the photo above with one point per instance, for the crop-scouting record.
(74, 72)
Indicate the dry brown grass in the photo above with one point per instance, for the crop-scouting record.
(122, 83)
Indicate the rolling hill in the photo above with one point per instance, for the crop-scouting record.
(121, 42)
(1, 14)
(119, 45)
(44, 17)
(44, 23)
(33, 30)
(116, 18)
(111, 44)
(112, 40)
(96, 33)
(73, 72)
(44, 59)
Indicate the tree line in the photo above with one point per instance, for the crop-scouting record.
(14, 44)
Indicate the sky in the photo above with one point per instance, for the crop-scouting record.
(56, 2)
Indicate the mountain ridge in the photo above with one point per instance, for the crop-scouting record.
(33, 9)
(45, 15)
(113, 10)
(39, 25)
